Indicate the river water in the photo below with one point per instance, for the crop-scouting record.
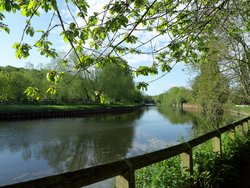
(37, 148)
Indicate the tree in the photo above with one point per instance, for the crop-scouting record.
(13, 84)
(236, 58)
(174, 97)
(106, 83)
(115, 31)
(115, 83)
(211, 88)
(3, 87)
(229, 39)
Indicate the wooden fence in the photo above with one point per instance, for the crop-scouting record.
(124, 170)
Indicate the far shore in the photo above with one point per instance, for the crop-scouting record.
(27, 111)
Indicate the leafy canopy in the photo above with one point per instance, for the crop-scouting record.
(120, 29)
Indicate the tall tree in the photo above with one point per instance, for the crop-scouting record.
(211, 88)
(231, 43)
(116, 84)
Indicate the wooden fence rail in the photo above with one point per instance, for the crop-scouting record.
(124, 170)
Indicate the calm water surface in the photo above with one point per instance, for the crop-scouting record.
(37, 148)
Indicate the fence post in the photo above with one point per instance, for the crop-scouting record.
(121, 182)
(245, 128)
(232, 134)
(216, 142)
(126, 180)
(239, 129)
(186, 159)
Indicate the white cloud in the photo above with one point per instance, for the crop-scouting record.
(96, 6)
(65, 13)
(136, 60)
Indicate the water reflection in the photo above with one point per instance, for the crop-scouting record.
(60, 145)
(205, 124)
(176, 116)
(201, 124)
(31, 149)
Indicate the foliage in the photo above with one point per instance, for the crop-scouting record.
(163, 174)
(210, 87)
(115, 30)
(19, 85)
(237, 96)
(214, 171)
(13, 84)
(174, 97)
(210, 170)
(115, 83)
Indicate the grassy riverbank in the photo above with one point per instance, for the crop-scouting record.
(242, 109)
(63, 107)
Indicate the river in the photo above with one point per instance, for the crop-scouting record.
(36, 148)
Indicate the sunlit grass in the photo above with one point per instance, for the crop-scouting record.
(245, 109)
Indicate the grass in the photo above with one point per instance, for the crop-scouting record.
(43, 107)
(244, 109)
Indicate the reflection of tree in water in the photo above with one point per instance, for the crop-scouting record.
(201, 124)
(210, 122)
(176, 116)
(70, 144)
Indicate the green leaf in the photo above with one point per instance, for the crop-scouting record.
(72, 26)
(31, 4)
(32, 92)
(54, 5)
(52, 76)
(142, 86)
(165, 67)
(144, 70)
(64, 62)
(131, 39)
(22, 50)
(51, 90)
(4, 28)
(92, 21)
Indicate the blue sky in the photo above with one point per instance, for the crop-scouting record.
(179, 76)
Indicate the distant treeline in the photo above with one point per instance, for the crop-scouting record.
(211, 89)
(109, 84)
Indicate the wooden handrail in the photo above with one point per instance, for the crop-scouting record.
(124, 167)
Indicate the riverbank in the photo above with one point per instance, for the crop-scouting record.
(25, 111)
(242, 109)
(189, 106)
(237, 109)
